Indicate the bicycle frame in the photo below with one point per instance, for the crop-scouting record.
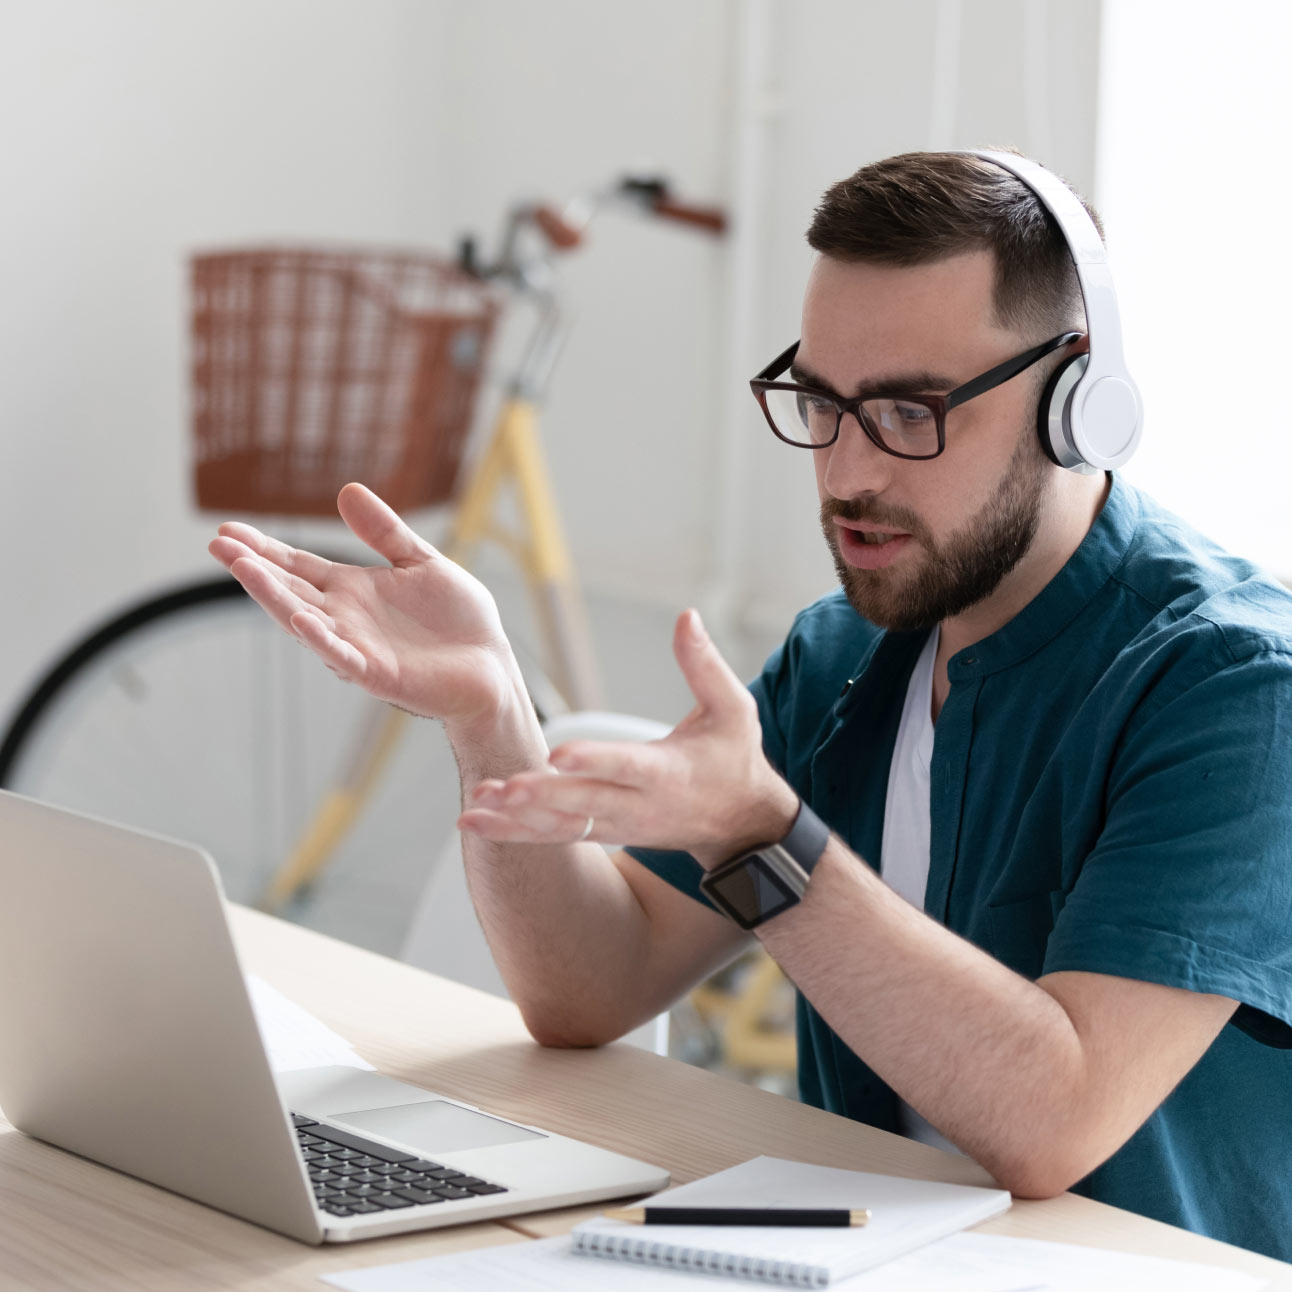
(513, 455)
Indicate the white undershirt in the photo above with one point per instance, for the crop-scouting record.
(904, 855)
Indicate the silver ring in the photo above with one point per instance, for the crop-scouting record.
(587, 830)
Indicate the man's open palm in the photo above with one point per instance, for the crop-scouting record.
(421, 632)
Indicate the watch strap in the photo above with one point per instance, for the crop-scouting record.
(807, 838)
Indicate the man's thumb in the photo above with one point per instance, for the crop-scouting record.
(380, 527)
(708, 675)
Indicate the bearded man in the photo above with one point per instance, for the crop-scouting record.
(1011, 807)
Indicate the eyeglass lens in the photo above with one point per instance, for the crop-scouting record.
(905, 427)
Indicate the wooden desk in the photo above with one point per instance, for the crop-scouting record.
(70, 1224)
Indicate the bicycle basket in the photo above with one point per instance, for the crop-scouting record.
(312, 368)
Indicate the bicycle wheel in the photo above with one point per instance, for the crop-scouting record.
(191, 714)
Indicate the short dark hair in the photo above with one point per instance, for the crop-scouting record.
(920, 207)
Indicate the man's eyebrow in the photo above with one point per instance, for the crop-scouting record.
(901, 383)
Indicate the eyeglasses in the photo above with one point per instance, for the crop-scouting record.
(907, 426)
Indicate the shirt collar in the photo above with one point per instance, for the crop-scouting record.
(1064, 597)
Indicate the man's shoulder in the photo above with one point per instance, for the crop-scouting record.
(833, 617)
(830, 635)
(1198, 604)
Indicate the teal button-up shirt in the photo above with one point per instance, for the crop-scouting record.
(1111, 792)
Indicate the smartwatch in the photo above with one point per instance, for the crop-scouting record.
(753, 887)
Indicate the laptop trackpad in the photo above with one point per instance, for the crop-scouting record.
(434, 1126)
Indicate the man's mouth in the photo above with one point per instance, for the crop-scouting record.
(870, 549)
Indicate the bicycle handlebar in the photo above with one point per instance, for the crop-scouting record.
(564, 230)
(562, 235)
(713, 219)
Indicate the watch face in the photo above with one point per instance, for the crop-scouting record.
(750, 892)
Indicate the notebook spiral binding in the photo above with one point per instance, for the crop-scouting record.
(698, 1260)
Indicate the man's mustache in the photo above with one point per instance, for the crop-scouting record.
(868, 512)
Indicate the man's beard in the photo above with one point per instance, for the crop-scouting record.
(960, 571)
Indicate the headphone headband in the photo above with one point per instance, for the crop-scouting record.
(1095, 419)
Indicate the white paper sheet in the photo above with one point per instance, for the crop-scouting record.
(962, 1263)
(293, 1037)
(988, 1263)
(540, 1265)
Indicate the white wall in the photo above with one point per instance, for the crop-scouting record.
(574, 92)
(138, 130)
(1195, 116)
(149, 129)
(559, 98)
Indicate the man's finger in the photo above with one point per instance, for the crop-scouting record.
(379, 526)
(554, 828)
(337, 653)
(528, 795)
(264, 587)
(313, 569)
(227, 549)
(618, 762)
(707, 674)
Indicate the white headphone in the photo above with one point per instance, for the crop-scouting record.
(1090, 417)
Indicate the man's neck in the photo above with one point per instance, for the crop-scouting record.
(1071, 510)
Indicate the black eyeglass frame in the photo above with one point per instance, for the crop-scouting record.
(939, 405)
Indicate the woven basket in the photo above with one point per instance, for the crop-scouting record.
(312, 368)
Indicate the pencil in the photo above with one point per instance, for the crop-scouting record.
(769, 1216)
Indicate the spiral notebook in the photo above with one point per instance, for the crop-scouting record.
(904, 1215)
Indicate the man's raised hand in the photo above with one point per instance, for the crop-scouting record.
(706, 786)
(420, 632)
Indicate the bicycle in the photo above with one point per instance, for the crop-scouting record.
(97, 731)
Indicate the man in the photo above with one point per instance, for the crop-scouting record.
(1080, 969)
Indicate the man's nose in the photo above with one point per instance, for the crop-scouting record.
(856, 464)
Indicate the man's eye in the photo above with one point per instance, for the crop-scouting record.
(912, 414)
(815, 404)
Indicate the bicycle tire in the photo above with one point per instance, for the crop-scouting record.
(151, 718)
(46, 690)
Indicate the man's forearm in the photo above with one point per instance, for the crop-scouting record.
(564, 927)
(991, 1059)
(1040, 1082)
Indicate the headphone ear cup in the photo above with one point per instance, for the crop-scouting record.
(1054, 414)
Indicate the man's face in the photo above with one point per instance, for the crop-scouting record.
(961, 521)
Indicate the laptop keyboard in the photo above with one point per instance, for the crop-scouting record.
(354, 1176)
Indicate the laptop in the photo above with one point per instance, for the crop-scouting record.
(127, 1036)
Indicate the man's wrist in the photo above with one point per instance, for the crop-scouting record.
(500, 742)
(768, 820)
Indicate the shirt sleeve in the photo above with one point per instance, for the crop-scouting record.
(1190, 881)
